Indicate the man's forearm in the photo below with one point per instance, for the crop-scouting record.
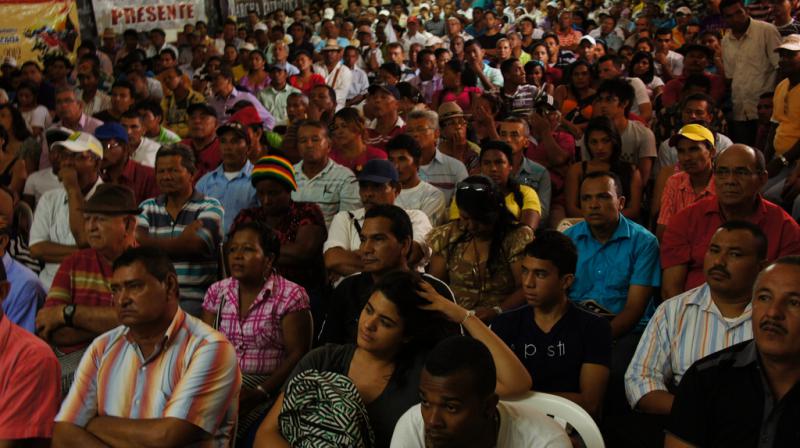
(67, 435)
(656, 402)
(66, 336)
(343, 262)
(50, 252)
(156, 433)
(177, 246)
(95, 319)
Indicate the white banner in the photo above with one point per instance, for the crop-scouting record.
(145, 15)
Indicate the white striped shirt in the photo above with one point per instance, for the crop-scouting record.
(683, 329)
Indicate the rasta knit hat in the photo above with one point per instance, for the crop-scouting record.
(276, 168)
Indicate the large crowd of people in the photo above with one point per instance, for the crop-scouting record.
(376, 224)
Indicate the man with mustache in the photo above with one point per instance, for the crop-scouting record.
(378, 184)
(739, 175)
(748, 395)
(701, 321)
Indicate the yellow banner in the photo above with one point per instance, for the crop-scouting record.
(32, 30)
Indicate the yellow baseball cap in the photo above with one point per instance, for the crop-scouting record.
(694, 132)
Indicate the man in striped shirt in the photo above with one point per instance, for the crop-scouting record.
(162, 378)
(696, 323)
(184, 223)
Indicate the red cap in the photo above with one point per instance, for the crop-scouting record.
(412, 19)
(246, 116)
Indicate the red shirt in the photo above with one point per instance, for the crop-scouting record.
(538, 154)
(139, 178)
(673, 88)
(689, 232)
(30, 384)
(206, 159)
(356, 164)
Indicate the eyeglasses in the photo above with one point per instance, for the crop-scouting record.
(418, 130)
(456, 123)
(469, 186)
(738, 173)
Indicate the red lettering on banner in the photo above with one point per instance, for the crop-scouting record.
(152, 13)
(116, 14)
(130, 15)
(172, 12)
(190, 11)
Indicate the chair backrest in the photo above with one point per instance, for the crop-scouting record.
(563, 410)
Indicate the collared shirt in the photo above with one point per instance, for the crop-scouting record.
(606, 271)
(51, 224)
(166, 137)
(427, 88)
(443, 172)
(345, 233)
(40, 182)
(257, 335)
(679, 194)
(339, 78)
(139, 178)
(725, 400)
(673, 88)
(145, 153)
(359, 84)
(750, 61)
(537, 177)
(380, 140)
(25, 296)
(291, 70)
(786, 112)
(334, 189)
(689, 232)
(235, 194)
(196, 272)
(30, 380)
(99, 102)
(522, 99)
(176, 117)
(275, 101)
(223, 105)
(683, 329)
(192, 375)
(494, 75)
(206, 159)
(420, 37)
(82, 279)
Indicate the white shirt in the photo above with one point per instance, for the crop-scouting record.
(39, 117)
(676, 65)
(339, 78)
(51, 224)
(518, 428)
(146, 152)
(40, 182)
(420, 37)
(426, 198)
(359, 84)
(343, 233)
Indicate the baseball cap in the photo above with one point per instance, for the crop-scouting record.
(391, 90)
(790, 42)
(110, 130)
(587, 38)
(695, 133)
(684, 10)
(202, 107)
(236, 127)
(378, 171)
(81, 142)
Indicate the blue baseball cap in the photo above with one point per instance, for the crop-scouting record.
(111, 130)
(378, 171)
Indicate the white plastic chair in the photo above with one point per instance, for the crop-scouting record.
(563, 410)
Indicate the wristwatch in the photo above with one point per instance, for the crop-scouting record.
(69, 314)
(497, 310)
(783, 160)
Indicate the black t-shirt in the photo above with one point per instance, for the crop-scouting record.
(400, 393)
(554, 359)
(721, 402)
(490, 42)
(347, 300)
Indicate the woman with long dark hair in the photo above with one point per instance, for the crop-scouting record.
(403, 319)
(605, 146)
(349, 148)
(642, 66)
(459, 84)
(479, 255)
(575, 97)
(257, 77)
(19, 149)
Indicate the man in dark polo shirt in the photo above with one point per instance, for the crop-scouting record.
(748, 395)
(566, 348)
(386, 239)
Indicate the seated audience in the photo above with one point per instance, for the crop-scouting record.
(299, 226)
(143, 149)
(696, 150)
(453, 140)
(402, 320)
(349, 149)
(739, 175)
(479, 255)
(119, 168)
(438, 169)
(57, 218)
(690, 326)
(152, 116)
(604, 145)
(459, 405)
(202, 138)
(515, 132)
(226, 95)
(184, 223)
(30, 390)
(79, 305)
(319, 179)
(382, 102)
(386, 241)
(566, 348)
(265, 316)
(745, 395)
(378, 184)
(190, 392)
(230, 182)
(416, 194)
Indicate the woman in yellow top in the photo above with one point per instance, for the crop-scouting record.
(521, 200)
